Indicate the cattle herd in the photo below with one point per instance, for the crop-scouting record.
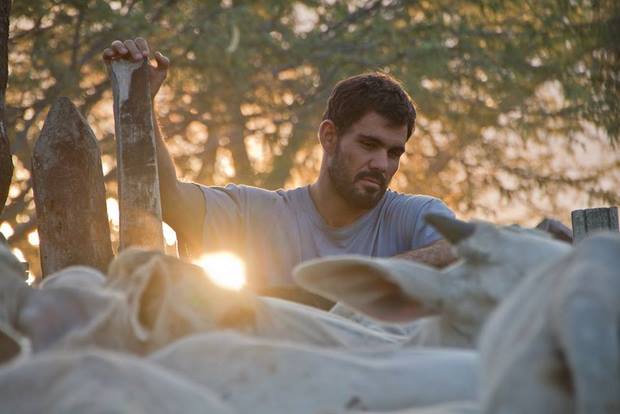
(522, 323)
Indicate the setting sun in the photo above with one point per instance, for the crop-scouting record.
(224, 269)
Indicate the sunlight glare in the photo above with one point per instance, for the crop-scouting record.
(224, 269)
(170, 236)
(113, 211)
(18, 253)
(6, 229)
(33, 238)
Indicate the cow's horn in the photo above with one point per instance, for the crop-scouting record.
(451, 229)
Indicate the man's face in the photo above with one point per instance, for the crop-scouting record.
(365, 160)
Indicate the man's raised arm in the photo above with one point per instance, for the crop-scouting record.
(182, 203)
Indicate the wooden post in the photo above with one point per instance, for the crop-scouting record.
(593, 219)
(6, 162)
(69, 193)
(138, 181)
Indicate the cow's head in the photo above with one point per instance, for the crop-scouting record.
(169, 298)
(497, 257)
(493, 261)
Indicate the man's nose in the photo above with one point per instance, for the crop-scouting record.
(379, 161)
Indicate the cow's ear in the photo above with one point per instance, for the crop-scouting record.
(389, 290)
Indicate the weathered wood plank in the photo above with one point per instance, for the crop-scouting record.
(6, 163)
(593, 219)
(69, 193)
(138, 182)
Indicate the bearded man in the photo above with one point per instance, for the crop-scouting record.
(347, 210)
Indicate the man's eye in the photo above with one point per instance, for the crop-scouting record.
(368, 145)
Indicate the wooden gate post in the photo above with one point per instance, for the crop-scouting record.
(138, 181)
(6, 162)
(69, 193)
(593, 219)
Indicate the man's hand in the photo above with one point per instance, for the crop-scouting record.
(136, 50)
(438, 254)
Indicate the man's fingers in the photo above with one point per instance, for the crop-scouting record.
(142, 45)
(116, 50)
(162, 61)
(133, 49)
(119, 48)
(108, 55)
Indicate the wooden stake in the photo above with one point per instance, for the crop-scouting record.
(138, 181)
(593, 219)
(69, 193)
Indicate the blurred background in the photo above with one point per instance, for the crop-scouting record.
(518, 101)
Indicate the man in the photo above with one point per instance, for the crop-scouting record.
(347, 210)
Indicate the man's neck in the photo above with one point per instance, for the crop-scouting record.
(336, 212)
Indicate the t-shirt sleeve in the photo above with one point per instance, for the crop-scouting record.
(233, 211)
(425, 234)
(223, 221)
(413, 230)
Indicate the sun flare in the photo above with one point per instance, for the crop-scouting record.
(224, 269)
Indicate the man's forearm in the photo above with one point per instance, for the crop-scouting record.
(438, 254)
(182, 203)
(167, 171)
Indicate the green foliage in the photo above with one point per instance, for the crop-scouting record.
(518, 100)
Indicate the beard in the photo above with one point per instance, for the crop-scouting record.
(364, 197)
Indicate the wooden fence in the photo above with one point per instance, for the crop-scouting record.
(68, 182)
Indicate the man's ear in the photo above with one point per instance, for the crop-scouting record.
(328, 136)
(389, 290)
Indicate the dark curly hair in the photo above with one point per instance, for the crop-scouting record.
(354, 97)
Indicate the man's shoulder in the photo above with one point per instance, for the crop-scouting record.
(395, 199)
(405, 215)
(286, 196)
(250, 196)
(409, 209)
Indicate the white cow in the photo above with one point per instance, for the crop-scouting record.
(150, 300)
(166, 299)
(554, 345)
(49, 315)
(281, 319)
(75, 276)
(163, 299)
(98, 382)
(67, 302)
(157, 299)
(260, 375)
(451, 304)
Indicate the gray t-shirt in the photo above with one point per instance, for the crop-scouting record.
(273, 231)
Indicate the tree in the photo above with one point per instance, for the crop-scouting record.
(6, 163)
(514, 98)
